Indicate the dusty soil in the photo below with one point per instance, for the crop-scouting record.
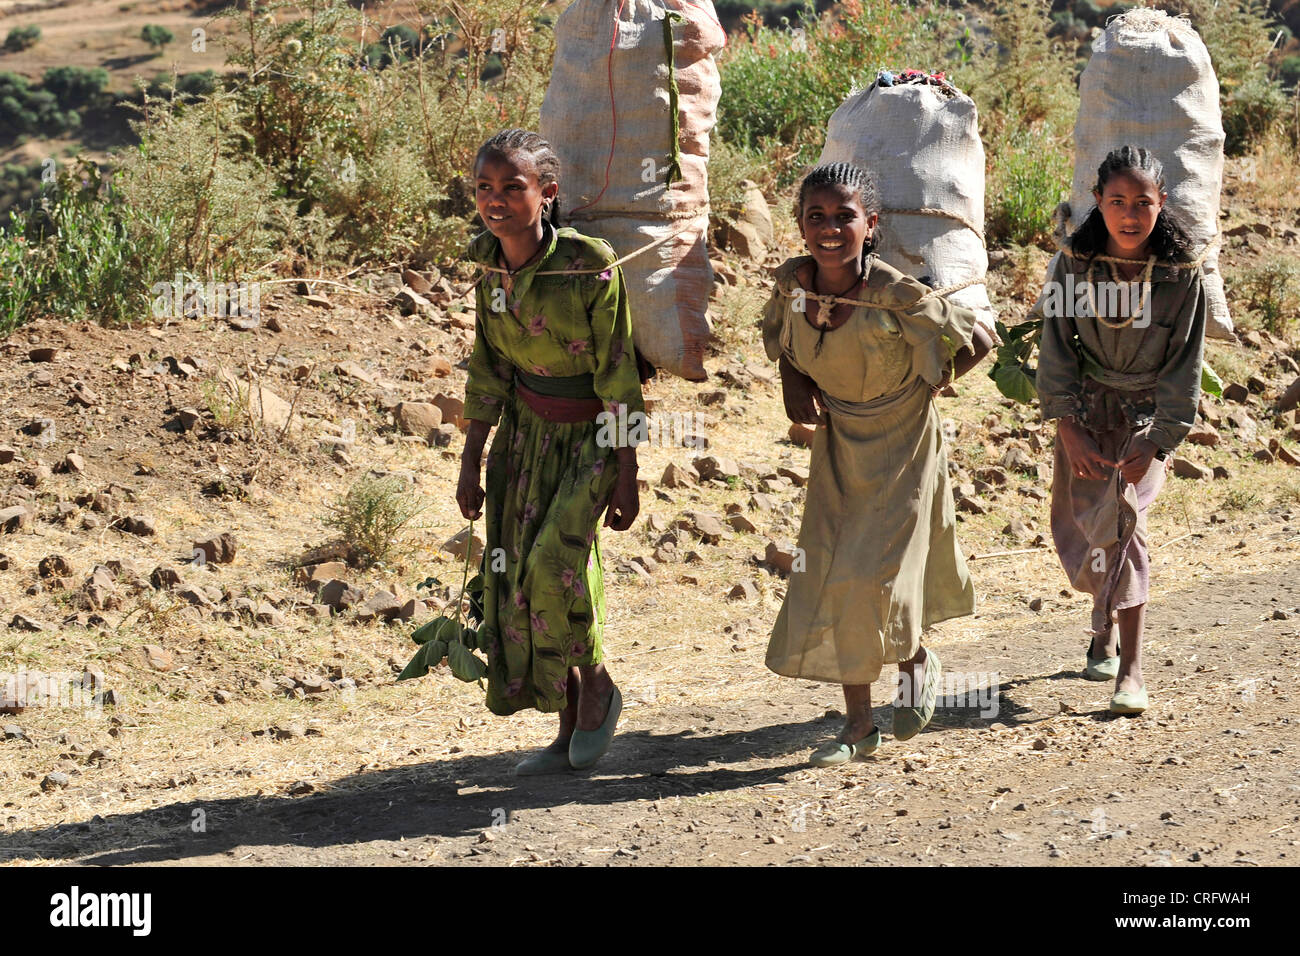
(216, 754)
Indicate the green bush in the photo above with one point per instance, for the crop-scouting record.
(22, 38)
(157, 37)
(193, 165)
(371, 516)
(75, 87)
(1025, 185)
(1272, 291)
(1289, 70)
(80, 254)
(781, 84)
(28, 111)
(1239, 35)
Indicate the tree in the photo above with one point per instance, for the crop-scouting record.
(156, 36)
(21, 38)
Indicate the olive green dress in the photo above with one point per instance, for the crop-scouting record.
(878, 539)
(547, 483)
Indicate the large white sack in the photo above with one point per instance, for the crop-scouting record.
(1150, 83)
(615, 156)
(921, 142)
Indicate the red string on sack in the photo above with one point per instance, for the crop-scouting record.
(613, 109)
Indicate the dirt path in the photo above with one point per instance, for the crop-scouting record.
(1207, 775)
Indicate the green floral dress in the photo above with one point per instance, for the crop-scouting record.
(547, 483)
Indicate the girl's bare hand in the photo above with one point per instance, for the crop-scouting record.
(624, 504)
(469, 491)
(1135, 465)
(802, 397)
(1082, 452)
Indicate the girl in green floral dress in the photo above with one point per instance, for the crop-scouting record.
(552, 350)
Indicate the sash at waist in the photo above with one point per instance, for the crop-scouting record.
(558, 386)
(557, 408)
(876, 406)
(1124, 381)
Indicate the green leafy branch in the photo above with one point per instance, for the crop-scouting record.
(451, 638)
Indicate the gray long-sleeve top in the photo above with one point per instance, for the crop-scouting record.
(1163, 353)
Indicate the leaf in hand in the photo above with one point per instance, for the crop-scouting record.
(464, 663)
(1211, 384)
(429, 655)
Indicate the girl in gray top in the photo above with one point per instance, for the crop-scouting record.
(1120, 369)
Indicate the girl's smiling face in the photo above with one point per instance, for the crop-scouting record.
(835, 227)
(1129, 203)
(509, 198)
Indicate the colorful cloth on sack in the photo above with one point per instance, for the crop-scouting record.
(547, 483)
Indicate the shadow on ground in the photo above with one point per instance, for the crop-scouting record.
(450, 798)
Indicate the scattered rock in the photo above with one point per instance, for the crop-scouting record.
(55, 781)
(217, 549)
(140, 525)
(1203, 434)
(418, 418)
(716, 467)
(1236, 392)
(456, 546)
(707, 526)
(21, 622)
(1186, 468)
(13, 518)
(409, 302)
(164, 578)
(53, 565)
(452, 409)
(783, 555)
(745, 591)
(677, 476)
(796, 473)
(159, 658)
(742, 524)
(339, 595)
(381, 604)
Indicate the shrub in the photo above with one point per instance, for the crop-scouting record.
(84, 253)
(22, 38)
(1272, 291)
(157, 37)
(1025, 185)
(1288, 70)
(193, 166)
(75, 86)
(370, 517)
(27, 111)
(781, 84)
(1239, 35)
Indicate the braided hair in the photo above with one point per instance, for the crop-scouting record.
(512, 143)
(848, 176)
(1169, 240)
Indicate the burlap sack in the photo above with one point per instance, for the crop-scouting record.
(607, 114)
(921, 143)
(1150, 83)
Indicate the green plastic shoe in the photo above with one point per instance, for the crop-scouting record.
(1100, 668)
(1105, 668)
(910, 721)
(544, 761)
(835, 753)
(1129, 702)
(588, 746)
